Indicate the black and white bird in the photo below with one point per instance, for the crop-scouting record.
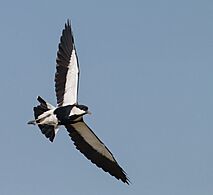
(69, 113)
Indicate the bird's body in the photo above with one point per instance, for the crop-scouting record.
(69, 113)
(60, 116)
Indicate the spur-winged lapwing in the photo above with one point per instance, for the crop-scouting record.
(69, 113)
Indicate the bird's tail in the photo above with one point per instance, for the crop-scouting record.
(48, 130)
(40, 109)
(43, 107)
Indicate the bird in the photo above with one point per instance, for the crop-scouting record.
(69, 113)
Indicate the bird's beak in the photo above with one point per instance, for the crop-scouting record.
(31, 122)
(88, 112)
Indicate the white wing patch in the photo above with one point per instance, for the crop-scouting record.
(71, 86)
(48, 118)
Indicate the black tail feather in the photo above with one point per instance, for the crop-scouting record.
(40, 109)
(43, 103)
(48, 131)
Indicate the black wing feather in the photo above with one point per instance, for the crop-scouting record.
(65, 49)
(96, 157)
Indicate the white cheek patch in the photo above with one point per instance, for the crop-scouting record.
(76, 111)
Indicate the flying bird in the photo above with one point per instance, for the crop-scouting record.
(69, 113)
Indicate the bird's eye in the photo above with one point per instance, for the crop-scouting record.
(85, 108)
(82, 107)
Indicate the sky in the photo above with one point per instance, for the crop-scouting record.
(146, 75)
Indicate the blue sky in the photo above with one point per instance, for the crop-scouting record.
(146, 75)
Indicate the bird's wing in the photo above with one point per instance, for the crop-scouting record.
(93, 149)
(67, 69)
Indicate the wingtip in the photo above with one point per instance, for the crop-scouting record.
(127, 181)
(38, 97)
(68, 23)
(52, 139)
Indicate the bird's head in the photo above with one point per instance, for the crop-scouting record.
(80, 110)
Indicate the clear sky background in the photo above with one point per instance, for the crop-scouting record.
(146, 75)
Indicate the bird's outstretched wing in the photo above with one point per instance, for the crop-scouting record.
(93, 149)
(67, 69)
